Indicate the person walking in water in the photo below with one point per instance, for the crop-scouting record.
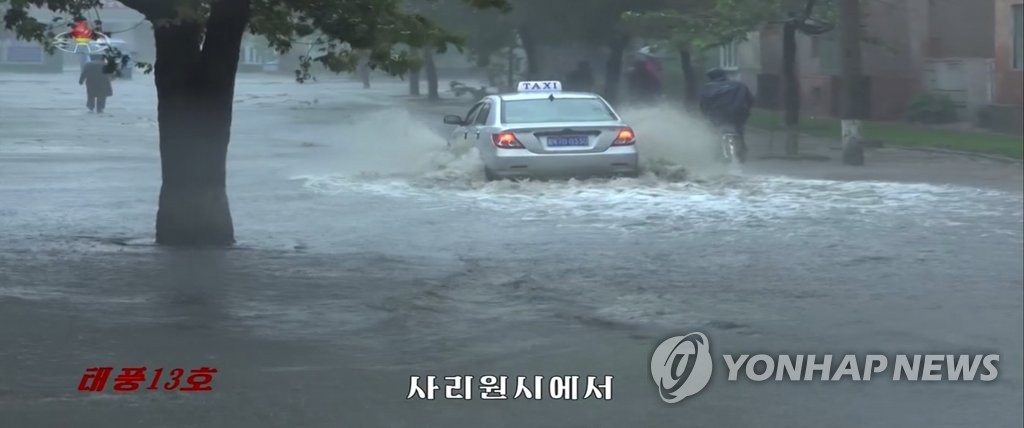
(97, 83)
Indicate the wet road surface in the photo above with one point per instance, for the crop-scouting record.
(367, 255)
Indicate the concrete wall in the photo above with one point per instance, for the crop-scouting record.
(770, 46)
(1008, 88)
(894, 56)
(1007, 112)
(46, 63)
(817, 96)
(899, 61)
(748, 61)
(748, 52)
(959, 28)
(891, 65)
(917, 29)
(968, 81)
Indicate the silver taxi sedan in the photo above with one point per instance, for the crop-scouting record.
(542, 132)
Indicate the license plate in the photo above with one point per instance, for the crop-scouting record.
(568, 141)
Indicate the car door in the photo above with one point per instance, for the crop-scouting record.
(479, 132)
(460, 135)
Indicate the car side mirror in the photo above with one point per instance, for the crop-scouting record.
(451, 119)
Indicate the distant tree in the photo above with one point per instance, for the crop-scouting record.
(542, 23)
(197, 52)
(605, 27)
(814, 18)
(466, 27)
(528, 25)
(690, 26)
(853, 91)
(810, 17)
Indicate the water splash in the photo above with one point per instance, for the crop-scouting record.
(681, 182)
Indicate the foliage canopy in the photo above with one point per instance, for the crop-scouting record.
(700, 24)
(334, 33)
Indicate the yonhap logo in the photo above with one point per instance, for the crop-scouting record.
(681, 366)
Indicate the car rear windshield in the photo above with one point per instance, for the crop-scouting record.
(557, 110)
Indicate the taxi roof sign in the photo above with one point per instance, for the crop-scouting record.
(540, 86)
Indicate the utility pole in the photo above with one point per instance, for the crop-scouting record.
(854, 91)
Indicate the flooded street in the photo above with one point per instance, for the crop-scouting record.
(367, 254)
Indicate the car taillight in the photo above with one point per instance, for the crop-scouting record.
(506, 140)
(625, 138)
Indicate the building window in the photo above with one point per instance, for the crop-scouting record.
(1018, 37)
(727, 56)
(23, 53)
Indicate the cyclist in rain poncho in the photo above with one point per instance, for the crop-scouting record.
(726, 103)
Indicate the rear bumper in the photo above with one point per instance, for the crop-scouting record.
(515, 163)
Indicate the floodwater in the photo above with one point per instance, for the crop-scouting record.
(367, 254)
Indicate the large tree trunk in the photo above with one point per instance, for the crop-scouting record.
(790, 88)
(613, 68)
(195, 93)
(430, 67)
(533, 65)
(853, 92)
(513, 67)
(689, 79)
